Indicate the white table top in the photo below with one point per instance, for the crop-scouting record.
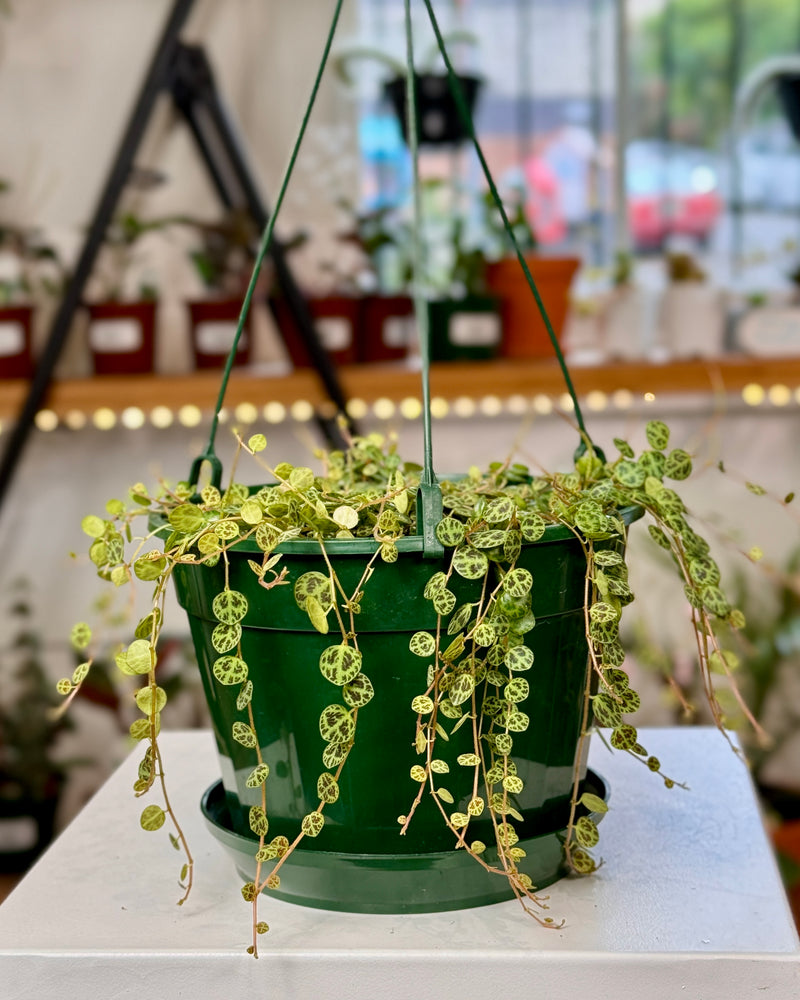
(687, 904)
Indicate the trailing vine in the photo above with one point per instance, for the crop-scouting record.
(473, 694)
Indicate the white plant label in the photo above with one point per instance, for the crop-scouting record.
(115, 336)
(12, 338)
(216, 336)
(18, 834)
(335, 332)
(398, 331)
(470, 329)
(769, 332)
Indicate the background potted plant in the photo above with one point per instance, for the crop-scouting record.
(692, 315)
(29, 268)
(32, 774)
(524, 332)
(221, 259)
(438, 120)
(626, 321)
(122, 315)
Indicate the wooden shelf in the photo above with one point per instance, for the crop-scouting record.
(503, 377)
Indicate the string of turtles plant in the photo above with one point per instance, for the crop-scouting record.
(474, 661)
(472, 674)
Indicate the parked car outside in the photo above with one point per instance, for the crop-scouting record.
(673, 190)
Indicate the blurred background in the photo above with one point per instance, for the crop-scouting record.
(646, 154)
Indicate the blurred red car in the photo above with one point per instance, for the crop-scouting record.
(672, 190)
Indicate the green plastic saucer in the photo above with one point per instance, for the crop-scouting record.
(393, 883)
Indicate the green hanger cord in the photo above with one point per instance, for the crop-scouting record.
(466, 121)
(429, 494)
(209, 455)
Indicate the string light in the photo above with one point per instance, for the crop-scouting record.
(565, 402)
(622, 399)
(274, 413)
(161, 417)
(133, 418)
(597, 400)
(411, 408)
(46, 420)
(491, 406)
(753, 394)
(383, 408)
(76, 420)
(517, 405)
(779, 395)
(439, 408)
(464, 407)
(302, 411)
(357, 408)
(190, 416)
(246, 413)
(543, 405)
(649, 397)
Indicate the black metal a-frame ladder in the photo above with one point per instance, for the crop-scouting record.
(184, 72)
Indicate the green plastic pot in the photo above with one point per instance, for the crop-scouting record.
(283, 650)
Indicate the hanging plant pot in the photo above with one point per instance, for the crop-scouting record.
(337, 319)
(388, 329)
(213, 327)
(292, 693)
(438, 120)
(122, 337)
(16, 357)
(524, 331)
(467, 329)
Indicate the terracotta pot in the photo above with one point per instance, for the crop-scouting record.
(388, 329)
(16, 359)
(214, 324)
(122, 337)
(524, 332)
(337, 319)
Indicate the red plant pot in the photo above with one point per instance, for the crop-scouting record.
(214, 323)
(16, 359)
(388, 328)
(122, 337)
(337, 319)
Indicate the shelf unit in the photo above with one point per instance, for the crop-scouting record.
(503, 378)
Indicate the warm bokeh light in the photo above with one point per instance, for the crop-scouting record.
(189, 416)
(133, 418)
(597, 400)
(357, 408)
(753, 394)
(46, 420)
(491, 406)
(161, 417)
(411, 408)
(302, 411)
(439, 407)
(464, 407)
(76, 420)
(274, 413)
(779, 395)
(246, 413)
(383, 408)
(622, 399)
